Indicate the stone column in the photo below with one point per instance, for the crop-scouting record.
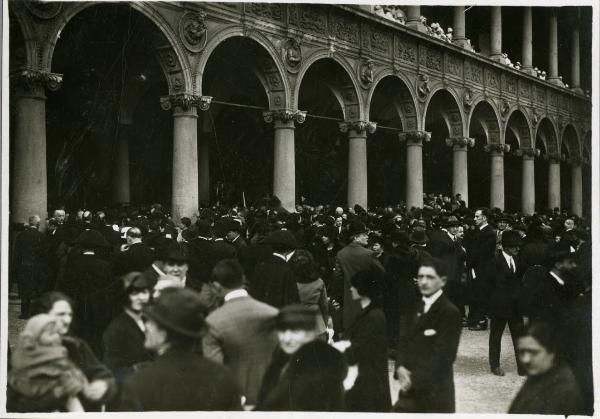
(184, 201)
(554, 160)
(460, 180)
(528, 179)
(414, 166)
(284, 162)
(357, 160)
(495, 32)
(29, 181)
(204, 160)
(553, 49)
(576, 187)
(575, 69)
(413, 18)
(458, 37)
(527, 43)
(497, 174)
(120, 177)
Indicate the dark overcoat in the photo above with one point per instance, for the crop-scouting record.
(555, 392)
(137, 258)
(481, 248)
(309, 380)
(503, 288)
(367, 335)
(123, 344)
(274, 283)
(428, 351)
(31, 261)
(180, 380)
(201, 259)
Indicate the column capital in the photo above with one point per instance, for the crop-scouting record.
(460, 142)
(528, 153)
(284, 115)
(554, 158)
(575, 161)
(358, 126)
(497, 149)
(415, 137)
(185, 101)
(34, 79)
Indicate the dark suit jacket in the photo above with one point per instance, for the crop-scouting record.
(371, 391)
(428, 350)
(138, 257)
(201, 258)
(443, 247)
(123, 343)
(481, 249)
(180, 380)
(503, 287)
(274, 283)
(31, 260)
(221, 250)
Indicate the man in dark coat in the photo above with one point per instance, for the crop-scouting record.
(274, 282)
(31, 263)
(480, 249)
(503, 278)
(200, 252)
(179, 379)
(353, 258)
(426, 353)
(137, 257)
(445, 245)
(89, 281)
(221, 249)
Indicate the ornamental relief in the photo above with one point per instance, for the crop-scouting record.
(430, 58)
(491, 79)
(308, 17)
(540, 94)
(552, 99)
(406, 50)
(267, 10)
(344, 29)
(380, 42)
(473, 72)
(169, 60)
(511, 85)
(524, 89)
(192, 30)
(454, 65)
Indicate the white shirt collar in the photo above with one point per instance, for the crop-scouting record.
(558, 278)
(286, 258)
(137, 318)
(481, 227)
(449, 234)
(157, 270)
(235, 294)
(431, 299)
(508, 258)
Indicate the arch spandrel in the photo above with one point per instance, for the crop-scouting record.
(178, 77)
(452, 115)
(547, 131)
(519, 122)
(19, 14)
(404, 99)
(270, 71)
(485, 113)
(348, 88)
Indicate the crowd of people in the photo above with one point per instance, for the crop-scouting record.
(264, 309)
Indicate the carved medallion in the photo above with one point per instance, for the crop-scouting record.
(192, 30)
(423, 86)
(366, 72)
(504, 108)
(43, 10)
(468, 98)
(292, 54)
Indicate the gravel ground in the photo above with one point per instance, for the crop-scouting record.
(477, 389)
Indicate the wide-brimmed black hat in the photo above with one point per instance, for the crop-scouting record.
(137, 281)
(511, 238)
(296, 316)
(180, 310)
(418, 236)
(174, 254)
(281, 238)
(91, 238)
(560, 250)
(356, 228)
(504, 218)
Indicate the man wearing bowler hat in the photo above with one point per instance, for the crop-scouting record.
(179, 379)
(503, 288)
(351, 259)
(274, 282)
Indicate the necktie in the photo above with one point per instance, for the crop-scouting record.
(512, 265)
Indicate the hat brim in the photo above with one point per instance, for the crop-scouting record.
(151, 313)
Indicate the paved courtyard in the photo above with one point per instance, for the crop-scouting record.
(477, 390)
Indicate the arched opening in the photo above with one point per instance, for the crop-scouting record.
(572, 151)
(239, 142)
(104, 51)
(321, 148)
(517, 136)
(586, 174)
(483, 127)
(391, 106)
(545, 141)
(443, 120)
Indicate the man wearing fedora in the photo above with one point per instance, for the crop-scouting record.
(503, 278)
(241, 333)
(503, 223)
(274, 282)
(179, 379)
(353, 258)
(446, 246)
